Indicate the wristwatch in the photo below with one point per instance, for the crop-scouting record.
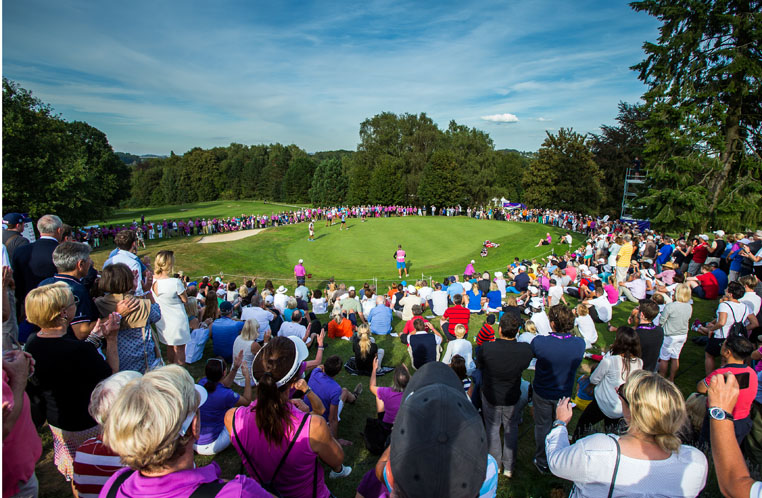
(718, 413)
(557, 423)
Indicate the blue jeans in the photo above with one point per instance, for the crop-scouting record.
(508, 418)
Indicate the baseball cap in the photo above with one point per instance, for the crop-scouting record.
(704, 236)
(351, 288)
(301, 261)
(411, 289)
(13, 219)
(269, 299)
(719, 233)
(533, 290)
(226, 307)
(437, 420)
(202, 395)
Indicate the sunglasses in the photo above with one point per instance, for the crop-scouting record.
(620, 392)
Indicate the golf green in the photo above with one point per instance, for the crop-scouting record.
(435, 246)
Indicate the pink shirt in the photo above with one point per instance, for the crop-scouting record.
(400, 256)
(295, 477)
(299, 270)
(612, 293)
(22, 448)
(571, 272)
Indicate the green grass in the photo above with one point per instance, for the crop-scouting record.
(192, 211)
(435, 246)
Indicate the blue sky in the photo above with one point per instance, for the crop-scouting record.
(172, 75)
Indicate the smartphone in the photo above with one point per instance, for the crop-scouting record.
(743, 380)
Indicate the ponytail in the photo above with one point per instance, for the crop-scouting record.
(271, 410)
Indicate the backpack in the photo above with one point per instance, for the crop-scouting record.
(737, 328)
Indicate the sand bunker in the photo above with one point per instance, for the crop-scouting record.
(227, 237)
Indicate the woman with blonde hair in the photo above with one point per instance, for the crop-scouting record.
(247, 342)
(66, 369)
(648, 460)
(173, 328)
(675, 320)
(493, 299)
(160, 454)
(460, 347)
(474, 299)
(365, 349)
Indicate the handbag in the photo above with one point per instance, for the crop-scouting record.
(269, 486)
(376, 436)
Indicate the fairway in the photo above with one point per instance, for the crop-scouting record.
(218, 209)
(435, 246)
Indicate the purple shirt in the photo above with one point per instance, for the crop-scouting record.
(327, 389)
(213, 411)
(392, 401)
(182, 484)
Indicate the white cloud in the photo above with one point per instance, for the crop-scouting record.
(501, 118)
(543, 120)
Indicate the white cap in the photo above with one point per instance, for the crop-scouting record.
(498, 274)
(269, 299)
(719, 233)
(411, 289)
(301, 261)
(351, 288)
(704, 236)
(534, 290)
(472, 261)
(522, 268)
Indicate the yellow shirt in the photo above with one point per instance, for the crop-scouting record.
(624, 255)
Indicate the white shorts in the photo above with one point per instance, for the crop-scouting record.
(671, 347)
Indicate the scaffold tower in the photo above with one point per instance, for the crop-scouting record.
(633, 186)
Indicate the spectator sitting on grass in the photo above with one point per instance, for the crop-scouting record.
(332, 394)
(380, 317)
(462, 347)
(424, 345)
(224, 331)
(340, 327)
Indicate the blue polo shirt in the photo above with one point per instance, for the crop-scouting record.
(454, 288)
(664, 253)
(224, 332)
(558, 357)
(380, 319)
(86, 311)
(722, 281)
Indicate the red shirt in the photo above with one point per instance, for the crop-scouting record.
(455, 315)
(745, 396)
(409, 328)
(709, 284)
(94, 464)
(700, 253)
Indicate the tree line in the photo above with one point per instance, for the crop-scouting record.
(698, 131)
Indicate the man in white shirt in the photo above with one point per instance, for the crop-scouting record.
(634, 289)
(600, 307)
(258, 313)
(541, 321)
(425, 292)
(280, 299)
(126, 243)
(556, 293)
(302, 292)
(439, 300)
(295, 328)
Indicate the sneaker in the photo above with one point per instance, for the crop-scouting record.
(345, 471)
(394, 334)
(542, 469)
(358, 390)
(508, 473)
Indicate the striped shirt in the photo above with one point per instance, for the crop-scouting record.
(455, 315)
(94, 464)
(486, 334)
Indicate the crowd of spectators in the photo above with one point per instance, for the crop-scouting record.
(126, 420)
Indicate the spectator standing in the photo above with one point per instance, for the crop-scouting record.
(173, 328)
(502, 363)
(675, 321)
(12, 238)
(558, 356)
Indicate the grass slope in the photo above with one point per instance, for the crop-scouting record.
(197, 209)
(435, 245)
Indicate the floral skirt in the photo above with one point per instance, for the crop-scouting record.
(65, 444)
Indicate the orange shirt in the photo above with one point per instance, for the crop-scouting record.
(337, 330)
